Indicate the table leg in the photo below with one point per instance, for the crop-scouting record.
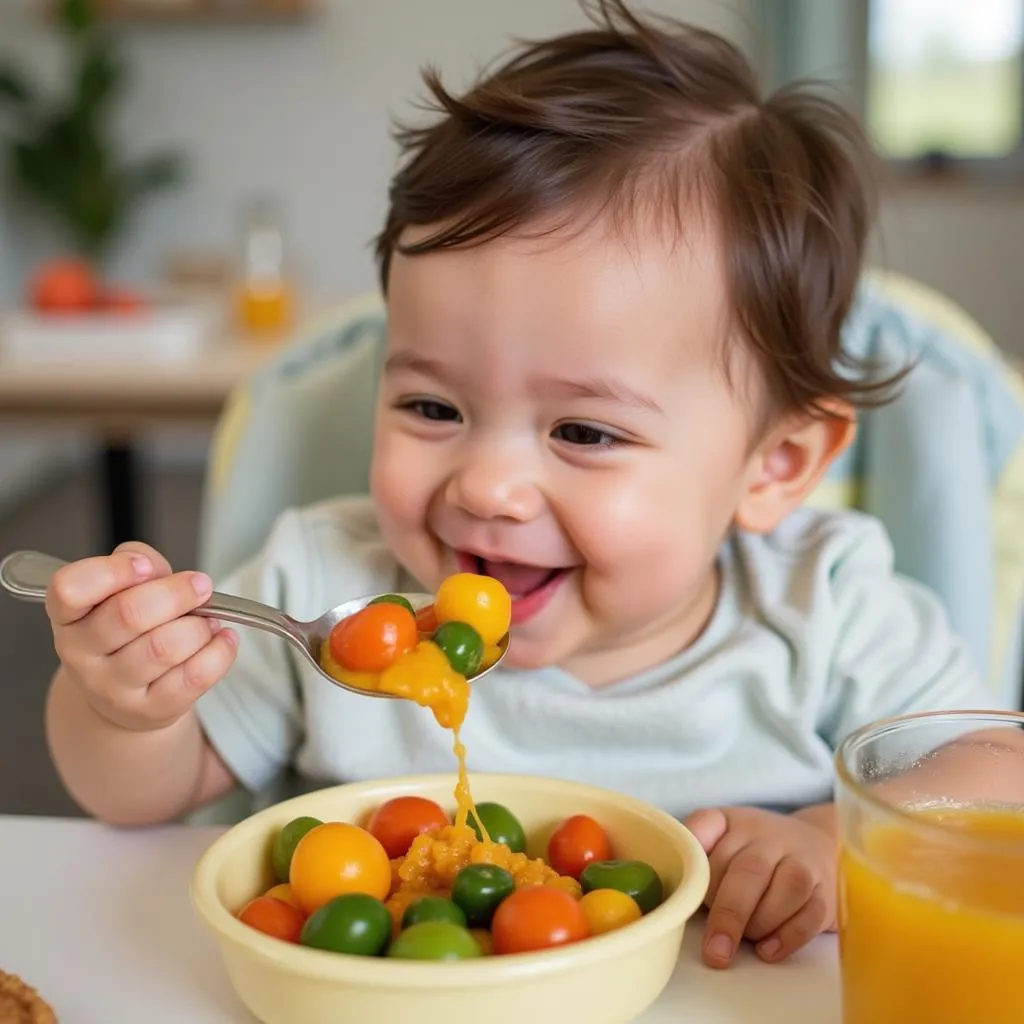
(121, 493)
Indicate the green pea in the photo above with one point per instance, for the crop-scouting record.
(285, 842)
(434, 940)
(354, 923)
(433, 908)
(462, 646)
(478, 889)
(395, 599)
(501, 824)
(633, 877)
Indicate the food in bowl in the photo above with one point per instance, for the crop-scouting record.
(607, 979)
(373, 889)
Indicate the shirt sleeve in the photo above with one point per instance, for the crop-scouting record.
(894, 649)
(253, 717)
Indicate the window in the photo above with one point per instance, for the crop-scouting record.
(945, 78)
(940, 83)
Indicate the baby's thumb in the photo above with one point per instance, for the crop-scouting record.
(708, 826)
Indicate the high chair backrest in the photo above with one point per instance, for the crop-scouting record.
(942, 466)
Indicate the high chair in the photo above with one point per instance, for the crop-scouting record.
(942, 466)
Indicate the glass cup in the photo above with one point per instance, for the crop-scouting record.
(931, 869)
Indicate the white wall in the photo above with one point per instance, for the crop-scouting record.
(304, 111)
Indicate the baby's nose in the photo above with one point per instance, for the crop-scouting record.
(493, 487)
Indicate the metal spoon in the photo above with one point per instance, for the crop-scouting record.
(26, 575)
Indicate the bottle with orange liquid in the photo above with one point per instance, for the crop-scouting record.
(265, 299)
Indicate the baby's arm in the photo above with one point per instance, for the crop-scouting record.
(119, 719)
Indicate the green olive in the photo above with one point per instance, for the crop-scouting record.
(462, 646)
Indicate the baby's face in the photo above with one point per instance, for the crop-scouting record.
(554, 412)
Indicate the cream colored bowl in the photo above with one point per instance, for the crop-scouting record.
(609, 979)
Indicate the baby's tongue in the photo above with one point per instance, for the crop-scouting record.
(516, 579)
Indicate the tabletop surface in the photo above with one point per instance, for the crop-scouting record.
(99, 921)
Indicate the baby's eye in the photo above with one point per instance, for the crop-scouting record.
(583, 434)
(431, 409)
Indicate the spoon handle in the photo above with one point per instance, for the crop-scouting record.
(244, 612)
(27, 574)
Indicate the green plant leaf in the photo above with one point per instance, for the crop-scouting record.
(76, 16)
(100, 75)
(153, 173)
(14, 87)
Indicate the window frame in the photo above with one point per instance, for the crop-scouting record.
(843, 38)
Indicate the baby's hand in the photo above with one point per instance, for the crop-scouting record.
(773, 881)
(122, 631)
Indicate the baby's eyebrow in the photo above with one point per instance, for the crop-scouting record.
(600, 388)
(415, 363)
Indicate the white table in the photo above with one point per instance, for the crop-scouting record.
(100, 922)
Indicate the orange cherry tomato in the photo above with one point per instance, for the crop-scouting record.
(273, 917)
(577, 842)
(396, 823)
(337, 858)
(537, 917)
(426, 619)
(371, 639)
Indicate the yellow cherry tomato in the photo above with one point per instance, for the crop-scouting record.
(334, 859)
(283, 892)
(608, 909)
(479, 601)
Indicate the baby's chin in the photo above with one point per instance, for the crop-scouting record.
(526, 657)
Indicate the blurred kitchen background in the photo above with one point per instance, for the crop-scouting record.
(251, 140)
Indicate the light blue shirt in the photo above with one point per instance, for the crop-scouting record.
(813, 635)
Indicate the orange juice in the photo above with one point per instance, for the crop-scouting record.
(932, 931)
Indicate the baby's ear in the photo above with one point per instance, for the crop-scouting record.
(789, 462)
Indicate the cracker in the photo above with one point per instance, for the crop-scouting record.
(22, 1004)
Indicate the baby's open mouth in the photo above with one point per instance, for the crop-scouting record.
(519, 579)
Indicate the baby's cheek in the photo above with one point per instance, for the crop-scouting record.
(395, 485)
(644, 553)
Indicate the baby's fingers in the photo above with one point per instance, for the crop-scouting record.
(792, 885)
(743, 884)
(177, 690)
(78, 587)
(134, 612)
(144, 660)
(804, 925)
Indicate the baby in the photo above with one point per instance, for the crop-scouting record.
(615, 281)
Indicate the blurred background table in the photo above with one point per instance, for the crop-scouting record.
(117, 402)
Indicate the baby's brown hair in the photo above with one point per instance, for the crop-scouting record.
(650, 112)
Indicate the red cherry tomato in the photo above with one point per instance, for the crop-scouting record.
(64, 286)
(426, 620)
(274, 917)
(396, 823)
(373, 638)
(537, 917)
(577, 842)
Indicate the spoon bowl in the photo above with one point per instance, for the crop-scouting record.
(27, 574)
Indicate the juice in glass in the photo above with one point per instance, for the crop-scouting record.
(931, 873)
